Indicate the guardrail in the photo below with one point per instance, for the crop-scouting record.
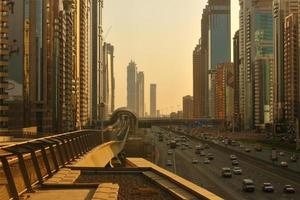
(28, 163)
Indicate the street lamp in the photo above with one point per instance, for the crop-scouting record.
(102, 107)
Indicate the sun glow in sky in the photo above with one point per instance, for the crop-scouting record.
(159, 35)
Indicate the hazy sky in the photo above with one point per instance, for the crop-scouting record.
(160, 36)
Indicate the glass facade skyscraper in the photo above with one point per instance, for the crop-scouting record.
(219, 43)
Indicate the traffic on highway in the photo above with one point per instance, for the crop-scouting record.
(232, 174)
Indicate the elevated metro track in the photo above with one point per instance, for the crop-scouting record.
(149, 122)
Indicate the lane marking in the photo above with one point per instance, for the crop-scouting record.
(174, 162)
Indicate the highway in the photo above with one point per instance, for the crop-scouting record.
(209, 175)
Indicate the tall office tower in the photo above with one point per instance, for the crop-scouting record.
(140, 94)
(256, 43)
(198, 104)
(82, 71)
(108, 79)
(281, 9)
(236, 65)
(200, 69)
(263, 66)
(65, 108)
(15, 102)
(219, 37)
(97, 60)
(4, 57)
(131, 86)
(153, 100)
(39, 57)
(225, 91)
(291, 70)
(187, 107)
(263, 91)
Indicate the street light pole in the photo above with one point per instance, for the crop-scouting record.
(233, 123)
(102, 106)
(297, 135)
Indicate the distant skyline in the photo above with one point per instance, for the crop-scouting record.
(160, 37)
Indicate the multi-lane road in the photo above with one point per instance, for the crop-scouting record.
(209, 175)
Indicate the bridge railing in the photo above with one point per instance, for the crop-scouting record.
(28, 163)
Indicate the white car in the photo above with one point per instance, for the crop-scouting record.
(233, 157)
(206, 161)
(195, 161)
(170, 152)
(284, 164)
(281, 153)
(267, 187)
(237, 171)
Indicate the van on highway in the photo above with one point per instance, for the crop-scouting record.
(248, 185)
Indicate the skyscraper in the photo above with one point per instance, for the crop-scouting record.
(281, 9)
(108, 79)
(291, 70)
(219, 45)
(225, 92)
(4, 56)
(65, 108)
(82, 68)
(97, 60)
(263, 65)
(256, 43)
(131, 86)
(187, 107)
(153, 100)
(200, 69)
(236, 65)
(140, 94)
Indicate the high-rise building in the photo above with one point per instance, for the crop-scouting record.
(131, 86)
(187, 107)
(15, 100)
(225, 91)
(4, 57)
(281, 9)
(236, 65)
(291, 70)
(40, 64)
(140, 94)
(97, 60)
(263, 91)
(82, 68)
(108, 79)
(153, 100)
(263, 66)
(200, 84)
(256, 42)
(219, 45)
(65, 108)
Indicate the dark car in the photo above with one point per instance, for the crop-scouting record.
(288, 189)
(235, 162)
(210, 156)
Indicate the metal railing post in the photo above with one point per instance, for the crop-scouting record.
(10, 179)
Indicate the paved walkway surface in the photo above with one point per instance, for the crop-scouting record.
(63, 194)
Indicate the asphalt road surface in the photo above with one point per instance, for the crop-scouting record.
(209, 175)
